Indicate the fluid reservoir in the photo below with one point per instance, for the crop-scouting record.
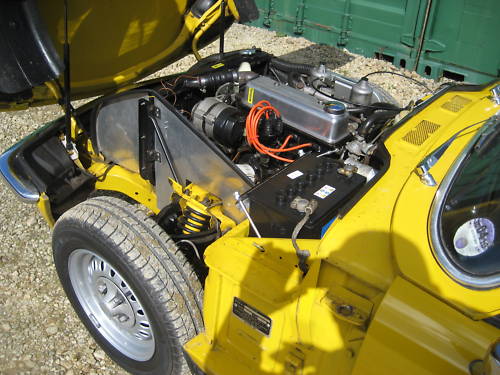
(361, 92)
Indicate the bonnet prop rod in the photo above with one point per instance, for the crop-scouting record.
(67, 83)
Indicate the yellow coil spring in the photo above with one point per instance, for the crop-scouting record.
(194, 221)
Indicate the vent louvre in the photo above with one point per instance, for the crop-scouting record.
(420, 133)
(456, 104)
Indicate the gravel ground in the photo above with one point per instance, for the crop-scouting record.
(39, 332)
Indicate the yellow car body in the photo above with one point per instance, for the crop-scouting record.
(375, 300)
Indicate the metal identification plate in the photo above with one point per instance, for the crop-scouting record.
(253, 317)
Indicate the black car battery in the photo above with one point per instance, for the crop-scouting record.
(311, 177)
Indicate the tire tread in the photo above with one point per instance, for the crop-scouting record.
(154, 258)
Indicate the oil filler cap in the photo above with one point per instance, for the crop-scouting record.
(334, 108)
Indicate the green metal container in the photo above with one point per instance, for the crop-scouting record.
(451, 38)
(462, 40)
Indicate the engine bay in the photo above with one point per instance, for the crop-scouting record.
(250, 136)
(267, 114)
(299, 136)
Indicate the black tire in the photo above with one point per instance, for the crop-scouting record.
(154, 268)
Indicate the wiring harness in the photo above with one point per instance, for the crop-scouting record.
(264, 108)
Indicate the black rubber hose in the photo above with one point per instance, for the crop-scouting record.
(244, 77)
(375, 119)
(381, 106)
(356, 110)
(368, 110)
(215, 79)
(287, 66)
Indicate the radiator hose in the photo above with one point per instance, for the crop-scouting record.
(377, 118)
(215, 79)
(287, 66)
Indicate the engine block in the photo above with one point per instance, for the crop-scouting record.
(325, 122)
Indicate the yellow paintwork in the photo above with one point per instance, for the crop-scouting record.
(202, 201)
(401, 229)
(116, 178)
(198, 26)
(117, 42)
(43, 205)
(307, 329)
(407, 316)
(419, 264)
(416, 334)
(375, 301)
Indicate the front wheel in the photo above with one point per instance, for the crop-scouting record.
(129, 284)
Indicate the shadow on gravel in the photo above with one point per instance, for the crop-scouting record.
(319, 53)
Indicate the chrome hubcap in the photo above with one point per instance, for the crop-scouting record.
(111, 305)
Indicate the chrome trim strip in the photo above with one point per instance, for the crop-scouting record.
(495, 93)
(25, 191)
(448, 266)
